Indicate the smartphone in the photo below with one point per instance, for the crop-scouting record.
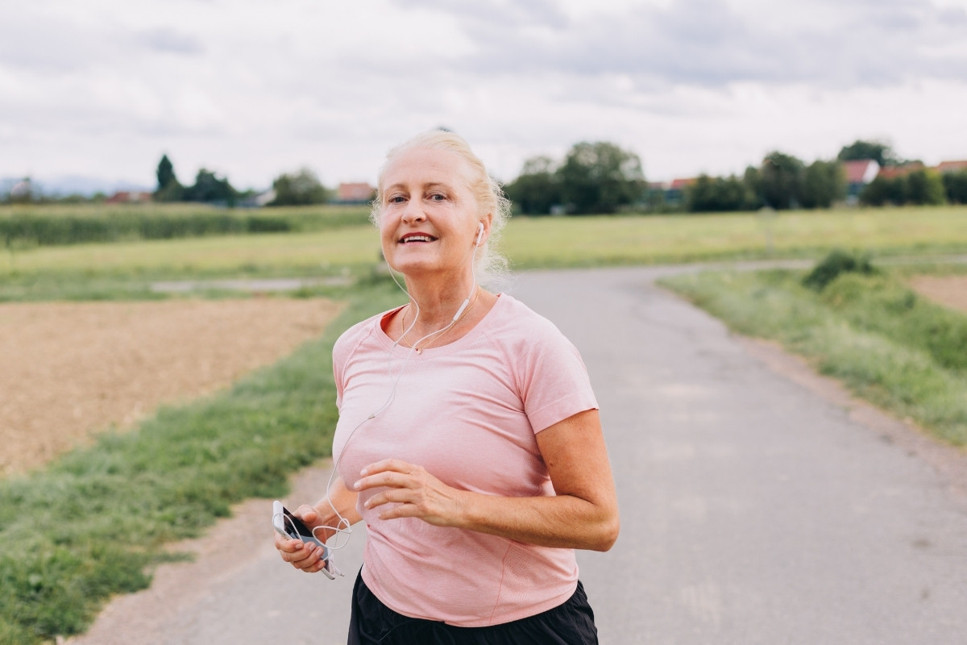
(292, 527)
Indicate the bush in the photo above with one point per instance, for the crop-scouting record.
(834, 265)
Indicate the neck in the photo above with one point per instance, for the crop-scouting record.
(428, 334)
(438, 306)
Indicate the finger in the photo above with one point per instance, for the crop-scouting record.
(306, 558)
(307, 514)
(389, 479)
(385, 465)
(288, 545)
(388, 495)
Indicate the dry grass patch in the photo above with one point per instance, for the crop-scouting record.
(950, 290)
(73, 369)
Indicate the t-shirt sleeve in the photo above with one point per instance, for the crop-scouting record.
(342, 351)
(554, 379)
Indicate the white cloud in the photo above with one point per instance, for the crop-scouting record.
(252, 89)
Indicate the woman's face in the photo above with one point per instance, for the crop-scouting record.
(428, 216)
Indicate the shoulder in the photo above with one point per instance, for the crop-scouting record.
(350, 340)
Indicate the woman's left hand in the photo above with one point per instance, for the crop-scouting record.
(411, 491)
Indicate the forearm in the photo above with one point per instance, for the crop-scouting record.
(339, 503)
(560, 521)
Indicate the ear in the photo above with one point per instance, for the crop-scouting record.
(483, 230)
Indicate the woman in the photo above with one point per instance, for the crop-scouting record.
(468, 438)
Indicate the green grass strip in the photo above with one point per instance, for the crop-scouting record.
(94, 523)
(55, 224)
(887, 344)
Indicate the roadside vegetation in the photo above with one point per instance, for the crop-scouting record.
(95, 522)
(859, 323)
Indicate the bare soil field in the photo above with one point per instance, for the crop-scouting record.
(950, 291)
(71, 370)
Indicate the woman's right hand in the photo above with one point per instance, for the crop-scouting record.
(304, 556)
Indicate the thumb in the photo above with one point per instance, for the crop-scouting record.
(307, 514)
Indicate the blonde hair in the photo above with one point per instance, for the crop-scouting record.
(490, 267)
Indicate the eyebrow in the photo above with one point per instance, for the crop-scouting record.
(432, 184)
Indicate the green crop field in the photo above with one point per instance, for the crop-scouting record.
(528, 243)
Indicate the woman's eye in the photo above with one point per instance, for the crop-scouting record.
(396, 199)
(437, 197)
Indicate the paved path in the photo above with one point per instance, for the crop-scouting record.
(759, 504)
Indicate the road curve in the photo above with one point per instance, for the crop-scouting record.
(760, 504)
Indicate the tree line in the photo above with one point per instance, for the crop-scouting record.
(290, 189)
(604, 178)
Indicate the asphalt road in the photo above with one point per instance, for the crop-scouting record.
(759, 504)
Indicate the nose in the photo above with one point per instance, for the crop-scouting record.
(413, 212)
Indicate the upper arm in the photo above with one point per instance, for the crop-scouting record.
(577, 461)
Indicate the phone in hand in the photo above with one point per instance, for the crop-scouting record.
(292, 527)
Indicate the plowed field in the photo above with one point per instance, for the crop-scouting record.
(71, 370)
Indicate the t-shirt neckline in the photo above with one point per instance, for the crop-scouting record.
(438, 350)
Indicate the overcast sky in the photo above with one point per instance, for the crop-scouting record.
(248, 89)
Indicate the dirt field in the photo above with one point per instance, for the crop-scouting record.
(950, 291)
(73, 369)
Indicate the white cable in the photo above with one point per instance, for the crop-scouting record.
(343, 526)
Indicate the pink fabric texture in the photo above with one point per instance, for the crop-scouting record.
(468, 412)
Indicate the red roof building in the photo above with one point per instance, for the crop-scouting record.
(129, 197)
(355, 192)
(892, 172)
(681, 184)
(861, 171)
(952, 166)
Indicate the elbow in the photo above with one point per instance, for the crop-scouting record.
(607, 533)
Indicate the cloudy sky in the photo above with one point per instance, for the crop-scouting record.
(102, 88)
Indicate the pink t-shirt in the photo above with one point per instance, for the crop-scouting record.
(468, 412)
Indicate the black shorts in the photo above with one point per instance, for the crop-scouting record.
(373, 622)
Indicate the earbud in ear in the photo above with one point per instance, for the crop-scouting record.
(479, 235)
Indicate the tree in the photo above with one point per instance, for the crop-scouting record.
(879, 152)
(752, 182)
(169, 188)
(955, 187)
(537, 188)
(882, 191)
(925, 187)
(209, 188)
(781, 179)
(824, 182)
(298, 189)
(718, 194)
(600, 177)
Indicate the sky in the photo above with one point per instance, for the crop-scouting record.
(251, 90)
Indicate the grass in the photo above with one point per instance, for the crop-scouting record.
(886, 343)
(94, 522)
(528, 242)
(59, 224)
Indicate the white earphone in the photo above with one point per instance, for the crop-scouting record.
(479, 235)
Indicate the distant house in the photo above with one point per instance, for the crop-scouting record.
(859, 173)
(355, 193)
(264, 198)
(22, 189)
(892, 172)
(951, 166)
(129, 197)
(675, 191)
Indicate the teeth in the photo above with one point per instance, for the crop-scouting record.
(417, 238)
